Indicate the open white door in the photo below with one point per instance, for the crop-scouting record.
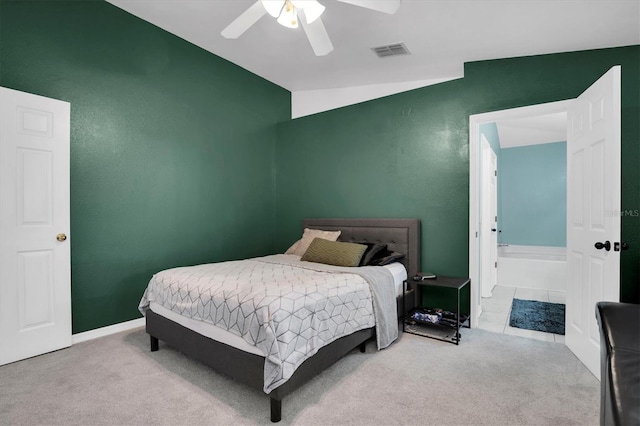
(488, 219)
(493, 195)
(593, 218)
(35, 273)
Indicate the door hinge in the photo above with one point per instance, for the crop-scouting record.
(496, 264)
(495, 173)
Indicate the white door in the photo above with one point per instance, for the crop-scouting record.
(493, 218)
(593, 195)
(488, 219)
(35, 273)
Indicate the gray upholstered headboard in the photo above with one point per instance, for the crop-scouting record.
(401, 235)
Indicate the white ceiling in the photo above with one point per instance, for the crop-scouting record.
(440, 34)
(532, 130)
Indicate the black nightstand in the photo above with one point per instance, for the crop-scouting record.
(428, 322)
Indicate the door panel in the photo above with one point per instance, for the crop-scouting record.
(34, 187)
(35, 289)
(35, 275)
(494, 218)
(593, 194)
(488, 220)
(597, 186)
(575, 314)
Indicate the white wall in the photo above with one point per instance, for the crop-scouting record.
(307, 102)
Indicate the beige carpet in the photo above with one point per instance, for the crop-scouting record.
(489, 379)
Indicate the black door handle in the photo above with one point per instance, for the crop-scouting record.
(493, 229)
(606, 245)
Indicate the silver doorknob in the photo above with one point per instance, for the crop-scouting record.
(61, 237)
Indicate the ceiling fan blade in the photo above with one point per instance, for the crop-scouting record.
(386, 6)
(243, 22)
(317, 35)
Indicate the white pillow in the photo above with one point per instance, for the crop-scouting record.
(293, 248)
(300, 247)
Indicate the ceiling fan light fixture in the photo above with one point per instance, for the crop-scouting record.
(289, 16)
(286, 13)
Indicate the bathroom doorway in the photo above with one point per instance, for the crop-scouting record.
(528, 228)
(513, 123)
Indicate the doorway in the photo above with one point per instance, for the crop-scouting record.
(477, 232)
(527, 246)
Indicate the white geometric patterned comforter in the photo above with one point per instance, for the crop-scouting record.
(287, 308)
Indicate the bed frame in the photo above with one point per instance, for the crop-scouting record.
(401, 235)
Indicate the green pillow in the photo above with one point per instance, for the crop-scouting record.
(334, 252)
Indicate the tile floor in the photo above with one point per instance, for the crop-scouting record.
(496, 310)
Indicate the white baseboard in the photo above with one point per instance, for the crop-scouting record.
(105, 331)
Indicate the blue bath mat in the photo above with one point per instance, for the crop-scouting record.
(534, 315)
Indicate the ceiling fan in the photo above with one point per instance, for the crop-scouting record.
(287, 12)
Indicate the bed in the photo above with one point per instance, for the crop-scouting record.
(253, 367)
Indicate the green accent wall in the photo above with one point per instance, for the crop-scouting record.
(179, 157)
(407, 155)
(172, 148)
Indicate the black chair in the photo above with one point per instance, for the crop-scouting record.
(619, 363)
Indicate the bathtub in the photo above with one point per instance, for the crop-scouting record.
(533, 267)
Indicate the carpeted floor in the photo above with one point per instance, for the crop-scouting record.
(489, 379)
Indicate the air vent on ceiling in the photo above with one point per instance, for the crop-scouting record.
(391, 50)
